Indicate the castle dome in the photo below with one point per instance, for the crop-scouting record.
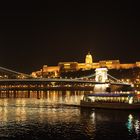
(88, 59)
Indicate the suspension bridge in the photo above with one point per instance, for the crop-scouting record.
(18, 80)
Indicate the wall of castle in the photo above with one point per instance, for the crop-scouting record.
(138, 64)
(127, 66)
(50, 68)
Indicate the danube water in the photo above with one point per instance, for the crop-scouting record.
(47, 117)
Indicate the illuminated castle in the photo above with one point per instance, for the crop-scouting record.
(54, 71)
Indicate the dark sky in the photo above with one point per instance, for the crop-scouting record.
(32, 35)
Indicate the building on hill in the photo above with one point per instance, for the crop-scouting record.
(68, 66)
(55, 71)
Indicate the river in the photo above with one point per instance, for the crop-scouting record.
(48, 118)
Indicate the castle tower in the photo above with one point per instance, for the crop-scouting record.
(88, 59)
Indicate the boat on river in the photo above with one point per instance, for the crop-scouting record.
(126, 101)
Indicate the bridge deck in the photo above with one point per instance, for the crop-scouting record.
(48, 80)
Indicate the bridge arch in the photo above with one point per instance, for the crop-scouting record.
(101, 75)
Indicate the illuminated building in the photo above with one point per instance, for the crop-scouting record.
(68, 66)
(88, 61)
(51, 71)
(54, 71)
(138, 64)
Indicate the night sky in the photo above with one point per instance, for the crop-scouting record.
(34, 35)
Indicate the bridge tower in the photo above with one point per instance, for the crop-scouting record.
(101, 75)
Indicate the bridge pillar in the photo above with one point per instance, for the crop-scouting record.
(101, 75)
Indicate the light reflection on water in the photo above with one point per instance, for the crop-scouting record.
(133, 125)
(47, 117)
